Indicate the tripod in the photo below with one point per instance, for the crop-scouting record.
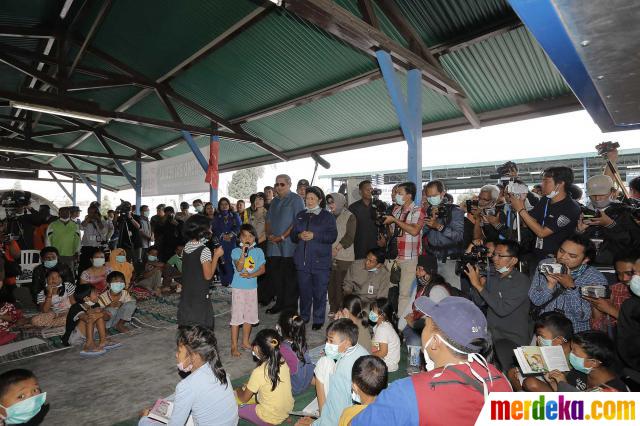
(617, 179)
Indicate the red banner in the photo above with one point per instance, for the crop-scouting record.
(213, 176)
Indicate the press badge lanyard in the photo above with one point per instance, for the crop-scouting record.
(540, 241)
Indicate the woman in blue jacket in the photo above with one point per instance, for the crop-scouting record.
(226, 226)
(314, 231)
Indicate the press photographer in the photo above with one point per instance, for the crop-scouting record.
(21, 218)
(490, 219)
(610, 225)
(557, 284)
(505, 295)
(128, 230)
(552, 220)
(444, 231)
(96, 234)
(403, 244)
(367, 213)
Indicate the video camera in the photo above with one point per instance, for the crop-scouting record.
(606, 147)
(479, 255)
(13, 201)
(380, 208)
(124, 208)
(504, 172)
(552, 268)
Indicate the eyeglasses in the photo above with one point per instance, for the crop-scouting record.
(280, 184)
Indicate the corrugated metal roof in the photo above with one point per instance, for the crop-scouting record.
(282, 57)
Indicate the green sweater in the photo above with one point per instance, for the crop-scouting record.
(64, 236)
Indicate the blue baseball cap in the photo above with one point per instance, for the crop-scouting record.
(459, 318)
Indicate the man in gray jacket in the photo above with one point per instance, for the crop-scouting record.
(367, 278)
(506, 296)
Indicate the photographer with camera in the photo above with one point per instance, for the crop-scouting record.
(96, 234)
(444, 230)
(557, 285)
(128, 230)
(367, 231)
(489, 219)
(551, 220)
(506, 297)
(610, 226)
(403, 244)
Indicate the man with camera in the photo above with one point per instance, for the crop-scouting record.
(506, 297)
(444, 228)
(366, 229)
(489, 218)
(558, 285)
(128, 230)
(610, 226)
(96, 234)
(403, 244)
(551, 220)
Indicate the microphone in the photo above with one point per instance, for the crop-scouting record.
(324, 163)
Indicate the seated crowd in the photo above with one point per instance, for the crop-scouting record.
(442, 292)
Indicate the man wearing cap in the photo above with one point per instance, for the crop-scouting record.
(455, 340)
(301, 188)
(612, 229)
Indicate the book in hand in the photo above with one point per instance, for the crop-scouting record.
(162, 411)
(311, 410)
(538, 360)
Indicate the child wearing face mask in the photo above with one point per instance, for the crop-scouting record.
(369, 377)
(21, 400)
(118, 304)
(118, 262)
(385, 343)
(270, 381)
(248, 264)
(205, 395)
(592, 353)
(54, 301)
(84, 319)
(96, 275)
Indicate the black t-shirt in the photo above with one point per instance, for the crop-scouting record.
(577, 379)
(366, 236)
(628, 334)
(561, 217)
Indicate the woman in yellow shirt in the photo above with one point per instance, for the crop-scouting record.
(270, 382)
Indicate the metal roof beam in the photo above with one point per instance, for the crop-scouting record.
(34, 32)
(418, 46)
(26, 164)
(102, 14)
(101, 166)
(61, 131)
(28, 70)
(477, 36)
(98, 84)
(127, 118)
(342, 86)
(352, 30)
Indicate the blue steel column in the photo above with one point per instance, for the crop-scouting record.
(74, 193)
(585, 172)
(98, 186)
(138, 186)
(409, 114)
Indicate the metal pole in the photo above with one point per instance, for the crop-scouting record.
(74, 193)
(214, 144)
(138, 186)
(409, 113)
(98, 185)
(585, 173)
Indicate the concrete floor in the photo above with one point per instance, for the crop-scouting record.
(118, 385)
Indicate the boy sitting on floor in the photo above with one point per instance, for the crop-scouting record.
(118, 304)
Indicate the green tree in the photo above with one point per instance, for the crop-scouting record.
(105, 205)
(244, 183)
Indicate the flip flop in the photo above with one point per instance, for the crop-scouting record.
(113, 345)
(92, 353)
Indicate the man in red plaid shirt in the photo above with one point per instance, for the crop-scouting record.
(405, 223)
(605, 311)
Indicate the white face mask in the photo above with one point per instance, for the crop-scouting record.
(553, 193)
(429, 364)
(634, 285)
(65, 220)
(355, 397)
(502, 269)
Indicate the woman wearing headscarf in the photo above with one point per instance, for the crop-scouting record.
(314, 231)
(342, 249)
(226, 226)
(118, 262)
